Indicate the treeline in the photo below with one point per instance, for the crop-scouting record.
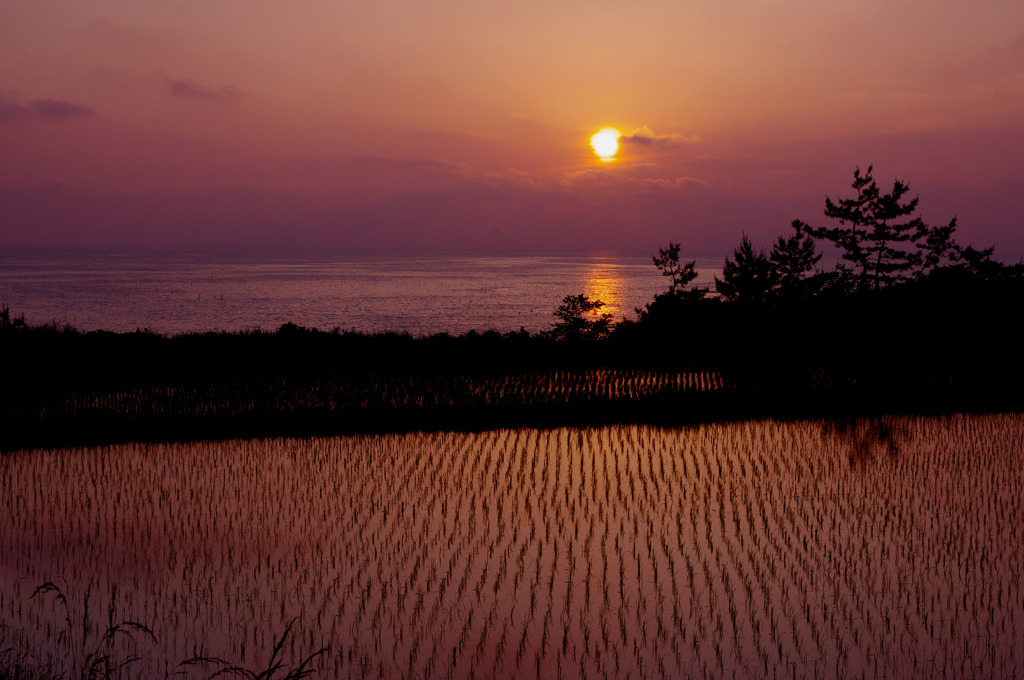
(908, 320)
(887, 256)
(906, 308)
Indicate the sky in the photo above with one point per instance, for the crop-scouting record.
(465, 125)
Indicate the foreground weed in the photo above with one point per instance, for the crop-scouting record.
(95, 656)
(275, 665)
(16, 665)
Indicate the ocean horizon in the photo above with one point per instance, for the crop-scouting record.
(173, 291)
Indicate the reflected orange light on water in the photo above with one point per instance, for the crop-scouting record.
(603, 283)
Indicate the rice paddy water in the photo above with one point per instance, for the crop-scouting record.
(883, 548)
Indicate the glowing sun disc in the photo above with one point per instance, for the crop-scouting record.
(605, 143)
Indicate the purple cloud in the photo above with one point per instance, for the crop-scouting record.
(10, 109)
(57, 109)
(186, 88)
(47, 109)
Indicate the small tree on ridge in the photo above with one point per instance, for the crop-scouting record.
(575, 320)
(680, 275)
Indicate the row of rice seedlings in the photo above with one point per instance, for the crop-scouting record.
(377, 391)
(751, 549)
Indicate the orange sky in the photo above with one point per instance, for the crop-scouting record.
(465, 124)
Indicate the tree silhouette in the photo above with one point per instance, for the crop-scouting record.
(879, 235)
(574, 321)
(680, 275)
(794, 259)
(939, 247)
(853, 216)
(669, 307)
(980, 262)
(6, 322)
(748, 278)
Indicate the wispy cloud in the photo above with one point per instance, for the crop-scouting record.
(604, 173)
(10, 109)
(57, 109)
(635, 177)
(512, 178)
(186, 88)
(434, 166)
(470, 135)
(646, 137)
(46, 109)
(671, 185)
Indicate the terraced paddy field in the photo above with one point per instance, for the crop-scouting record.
(888, 547)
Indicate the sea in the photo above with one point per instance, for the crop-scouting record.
(174, 291)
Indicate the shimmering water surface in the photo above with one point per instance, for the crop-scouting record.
(889, 548)
(421, 293)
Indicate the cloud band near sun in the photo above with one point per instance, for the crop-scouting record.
(644, 136)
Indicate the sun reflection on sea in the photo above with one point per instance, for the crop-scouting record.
(604, 283)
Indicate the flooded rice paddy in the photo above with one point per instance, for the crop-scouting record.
(883, 548)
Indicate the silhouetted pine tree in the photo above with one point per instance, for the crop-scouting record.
(574, 321)
(668, 309)
(680, 275)
(794, 259)
(939, 247)
(889, 260)
(748, 278)
(879, 235)
(853, 216)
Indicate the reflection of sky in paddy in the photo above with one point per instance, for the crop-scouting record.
(756, 549)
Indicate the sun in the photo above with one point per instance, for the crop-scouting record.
(606, 143)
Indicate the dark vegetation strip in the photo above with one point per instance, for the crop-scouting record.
(910, 321)
(717, 362)
(81, 431)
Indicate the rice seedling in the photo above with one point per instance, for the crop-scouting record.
(751, 549)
